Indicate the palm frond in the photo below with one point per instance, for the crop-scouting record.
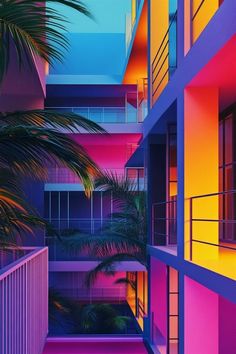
(125, 281)
(50, 119)
(31, 30)
(108, 265)
(26, 149)
(101, 246)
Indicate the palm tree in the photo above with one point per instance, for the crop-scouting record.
(29, 140)
(33, 29)
(74, 317)
(123, 238)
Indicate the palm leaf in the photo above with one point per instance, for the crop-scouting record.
(31, 30)
(101, 246)
(26, 149)
(108, 265)
(50, 119)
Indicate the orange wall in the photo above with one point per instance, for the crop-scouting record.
(201, 142)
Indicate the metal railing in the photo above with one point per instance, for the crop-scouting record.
(24, 304)
(164, 223)
(83, 225)
(65, 175)
(116, 293)
(124, 114)
(225, 205)
(160, 65)
(195, 14)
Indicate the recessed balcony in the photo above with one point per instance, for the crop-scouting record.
(212, 241)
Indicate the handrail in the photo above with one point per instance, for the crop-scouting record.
(104, 111)
(24, 304)
(21, 261)
(213, 194)
(222, 221)
(167, 221)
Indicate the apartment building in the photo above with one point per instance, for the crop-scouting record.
(160, 78)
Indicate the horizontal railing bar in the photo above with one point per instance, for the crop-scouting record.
(167, 219)
(214, 244)
(216, 220)
(12, 267)
(213, 194)
(166, 202)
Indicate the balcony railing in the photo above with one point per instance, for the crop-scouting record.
(213, 222)
(118, 115)
(202, 12)
(164, 223)
(163, 65)
(64, 175)
(24, 304)
(91, 294)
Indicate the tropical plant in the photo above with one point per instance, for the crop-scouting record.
(30, 141)
(31, 28)
(122, 239)
(73, 317)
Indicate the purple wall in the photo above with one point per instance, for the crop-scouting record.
(227, 323)
(159, 296)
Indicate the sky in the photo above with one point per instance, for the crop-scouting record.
(109, 16)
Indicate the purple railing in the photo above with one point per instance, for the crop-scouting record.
(164, 223)
(24, 304)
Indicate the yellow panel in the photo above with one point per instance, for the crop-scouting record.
(201, 168)
(159, 27)
(203, 16)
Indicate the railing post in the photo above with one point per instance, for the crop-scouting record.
(152, 223)
(191, 229)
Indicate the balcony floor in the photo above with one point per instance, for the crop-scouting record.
(219, 260)
(99, 347)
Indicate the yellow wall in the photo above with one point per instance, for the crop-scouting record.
(201, 142)
(204, 15)
(159, 25)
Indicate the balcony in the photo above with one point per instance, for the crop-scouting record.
(104, 115)
(164, 63)
(23, 301)
(164, 225)
(201, 13)
(212, 222)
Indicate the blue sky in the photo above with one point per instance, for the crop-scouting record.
(109, 16)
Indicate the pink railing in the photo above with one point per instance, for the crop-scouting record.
(24, 304)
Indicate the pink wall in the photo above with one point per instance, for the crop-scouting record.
(109, 151)
(159, 295)
(227, 322)
(201, 319)
(72, 284)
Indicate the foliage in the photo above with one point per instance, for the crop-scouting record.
(29, 30)
(97, 318)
